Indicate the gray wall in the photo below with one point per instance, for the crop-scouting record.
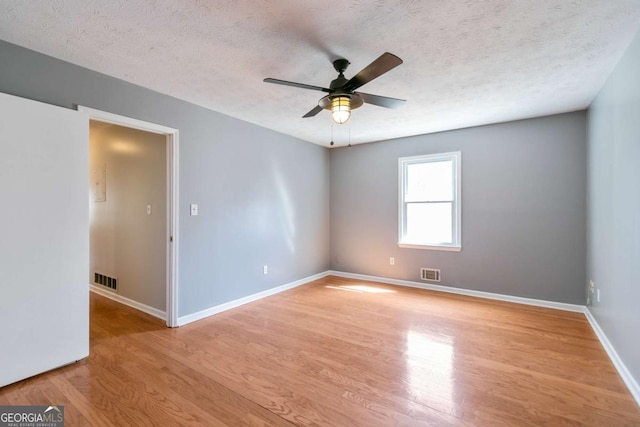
(523, 209)
(614, 207)
(263, 196)
(125, 241)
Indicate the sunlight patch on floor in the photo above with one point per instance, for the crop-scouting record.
(362, 288)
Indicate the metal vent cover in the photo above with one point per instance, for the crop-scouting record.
(430, 274)
(106, 281)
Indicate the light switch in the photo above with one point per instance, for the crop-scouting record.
(194, 209)
(148, 209)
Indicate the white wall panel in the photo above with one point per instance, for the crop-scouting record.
(44, 301)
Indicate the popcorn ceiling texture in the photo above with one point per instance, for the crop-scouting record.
(467, 63)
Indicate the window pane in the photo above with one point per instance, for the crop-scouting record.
(431, 181)
(429, 223)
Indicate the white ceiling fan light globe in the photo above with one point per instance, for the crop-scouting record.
(341, 109)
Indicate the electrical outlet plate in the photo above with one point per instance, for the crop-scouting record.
(590, 291)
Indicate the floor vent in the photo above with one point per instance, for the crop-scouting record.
(430, 274)
(109, 282)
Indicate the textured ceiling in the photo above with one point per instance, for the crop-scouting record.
(466, 63)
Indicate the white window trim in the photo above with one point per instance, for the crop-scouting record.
(449, 248)
(457, 245)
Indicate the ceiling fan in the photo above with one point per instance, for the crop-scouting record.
(342, 96)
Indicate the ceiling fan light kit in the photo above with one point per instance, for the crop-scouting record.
(340, 109)
(340, 105)
(342, 97)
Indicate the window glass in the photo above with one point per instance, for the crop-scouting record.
(429, 223)
(430, 181)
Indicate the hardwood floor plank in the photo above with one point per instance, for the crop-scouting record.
(198, 395)
(76, 402)
(304, 358)
(340, 352)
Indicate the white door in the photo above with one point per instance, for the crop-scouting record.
(44, 245)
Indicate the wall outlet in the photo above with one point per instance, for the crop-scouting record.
(265, 269)
(598, 294)
(148, 209)
(392, 261)
(193, 209)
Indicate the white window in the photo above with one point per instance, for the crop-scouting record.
(430, 208)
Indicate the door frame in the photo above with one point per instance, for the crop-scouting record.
(172, 147)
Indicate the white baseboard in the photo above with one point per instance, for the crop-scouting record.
(628, 379)
(183, 320)
(461, 291)
(131, 303)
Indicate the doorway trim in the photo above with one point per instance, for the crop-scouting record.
(172, 197)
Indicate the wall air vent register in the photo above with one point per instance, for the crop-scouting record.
(106, 281)
(430, 274)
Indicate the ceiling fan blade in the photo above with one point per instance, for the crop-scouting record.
(313, 112)
(385, 62)
(294, 84)
(382, 101)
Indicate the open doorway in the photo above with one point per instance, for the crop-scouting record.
(133, 212)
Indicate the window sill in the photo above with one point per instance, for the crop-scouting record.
(430, 247)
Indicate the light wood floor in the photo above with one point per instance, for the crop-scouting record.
(343, 353)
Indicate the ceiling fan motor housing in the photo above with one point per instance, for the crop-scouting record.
(340, 66)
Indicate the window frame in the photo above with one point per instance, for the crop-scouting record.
(456, 204)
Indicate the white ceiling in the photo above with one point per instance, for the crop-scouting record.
(466, 62)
